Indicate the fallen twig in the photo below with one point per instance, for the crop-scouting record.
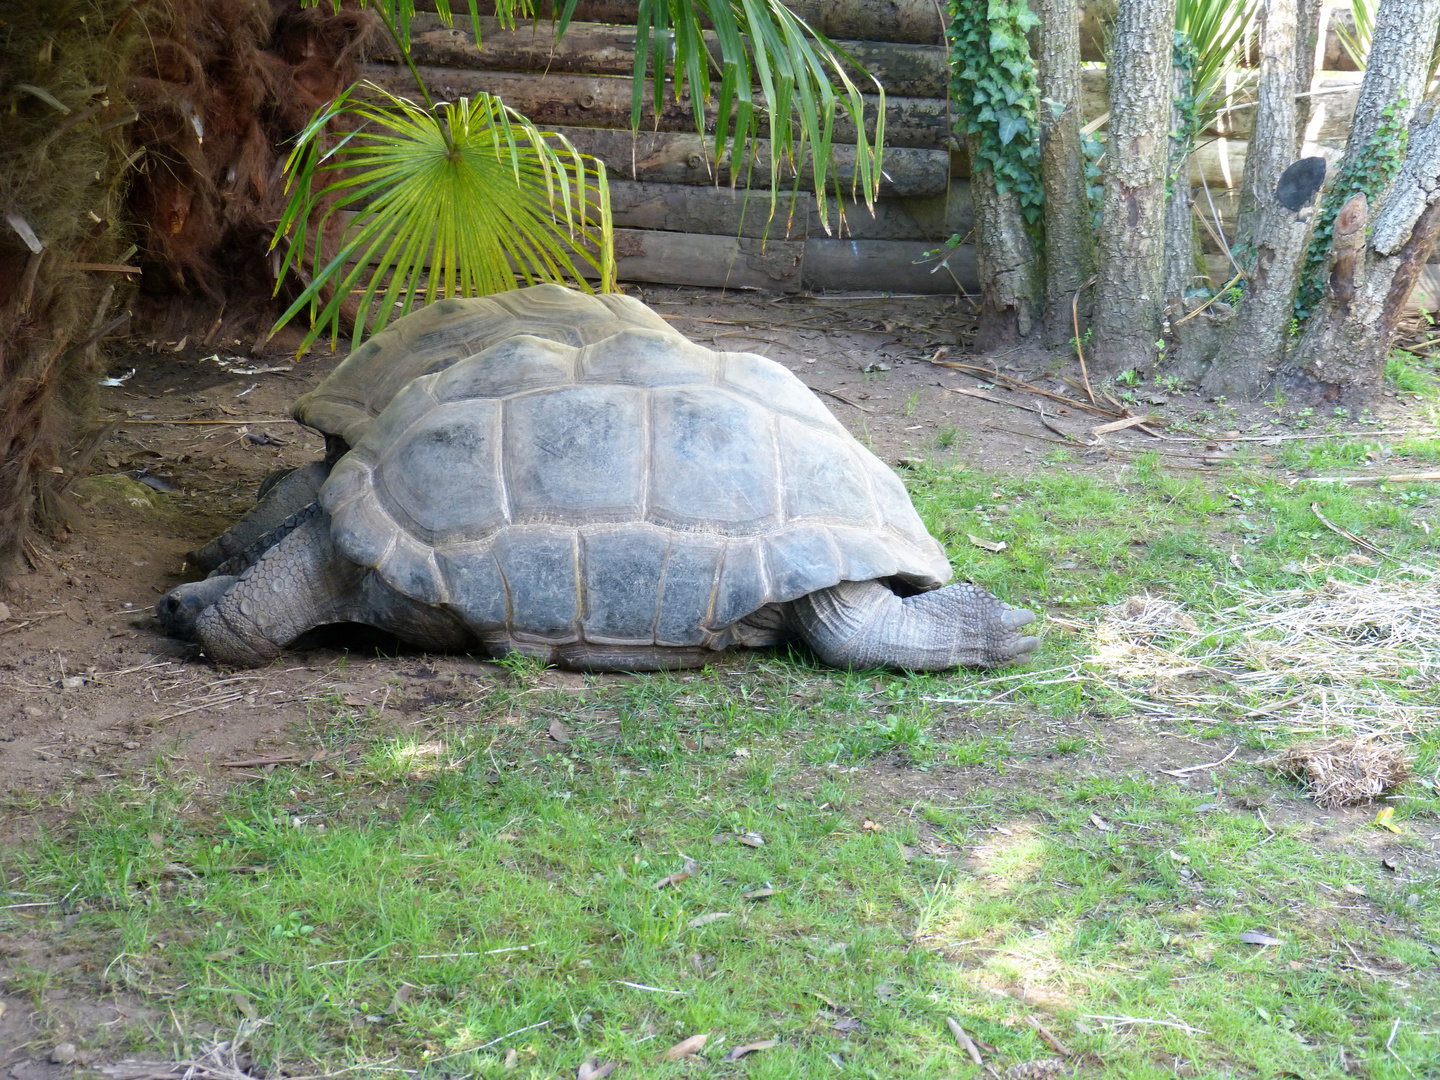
(1054, 1043)
(967, 1043)
(841, 397)
(1394, 478)
(1200, 768)
(1347, 534)
(1142, 1020)
(1075, 314)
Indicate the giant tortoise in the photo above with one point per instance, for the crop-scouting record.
(564, 476)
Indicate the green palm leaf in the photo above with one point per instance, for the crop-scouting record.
(801, 75)
(472, 188)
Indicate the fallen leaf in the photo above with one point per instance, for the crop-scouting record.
(512, 1058)
(686, 1047)
(758, 894)
(885, 991)
(869, 826)
(590, 1071)
(559, 732)
(1386, 819)
(4, 612)
(705, 920)
(223, 954)
(402, 995)
(751, 839)
(1255, 937)
(1390, 864)
(1175, 856)
(996, 546)
(243, 1003)
(826, 1000)
(679, 875)
(846, 1024)
(749, 1048)
(1100, 823)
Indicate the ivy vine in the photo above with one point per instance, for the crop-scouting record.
(993, 85)
(1370, 171)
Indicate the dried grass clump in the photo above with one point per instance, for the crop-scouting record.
(1352, 656)
(1345, 772)
(61, 66)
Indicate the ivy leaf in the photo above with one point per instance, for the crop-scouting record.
(1010, 126)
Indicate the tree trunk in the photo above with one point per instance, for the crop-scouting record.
(1131, 250)
(1010, 285)
(1179, 220)
(1069, 235)
(1395, 71)
(1307, 39)
(1273, 141)
(1342, 353)
(1270, 239)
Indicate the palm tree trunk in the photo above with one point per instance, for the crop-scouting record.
(1131, 250)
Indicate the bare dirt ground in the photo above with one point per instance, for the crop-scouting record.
(90, 689)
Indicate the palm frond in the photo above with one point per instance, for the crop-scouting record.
(801, 75)
(1218, 30)
(472, 189)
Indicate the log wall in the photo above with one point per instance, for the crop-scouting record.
(677, 215)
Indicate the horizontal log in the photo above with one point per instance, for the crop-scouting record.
(743, 262)
(682, 158)
(896, 266)
(604, 101)
(726, 212)
(1332, 105)
(601, 49)
(917, 22)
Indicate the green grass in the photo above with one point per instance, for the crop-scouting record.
(508, 889)
(973, 845)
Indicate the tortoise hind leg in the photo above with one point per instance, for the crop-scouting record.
(864, 624)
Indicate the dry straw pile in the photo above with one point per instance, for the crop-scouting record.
(1346, 657)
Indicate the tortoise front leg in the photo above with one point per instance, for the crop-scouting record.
(292, 492)
(300, 583)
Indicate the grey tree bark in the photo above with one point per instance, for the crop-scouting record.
(1131, 248)
(1396, 69)
(1273, 141)
(1069, 236)
(1006, 261)
(1342, 352)
(1307, 39)
(1179, 220)
(1274, 237)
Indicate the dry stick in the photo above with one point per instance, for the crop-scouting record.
(1197, 768)
(1143, 1020)
(210, 423)
(1223, 243)
(1288, 438)
(1055, 1044)
(1075, 315)
(1396, 478)
(1347, 534)
(840, 397)
(964, 1040)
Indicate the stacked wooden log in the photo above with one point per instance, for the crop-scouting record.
(683, 216)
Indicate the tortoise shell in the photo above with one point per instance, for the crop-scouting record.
(636, 489)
